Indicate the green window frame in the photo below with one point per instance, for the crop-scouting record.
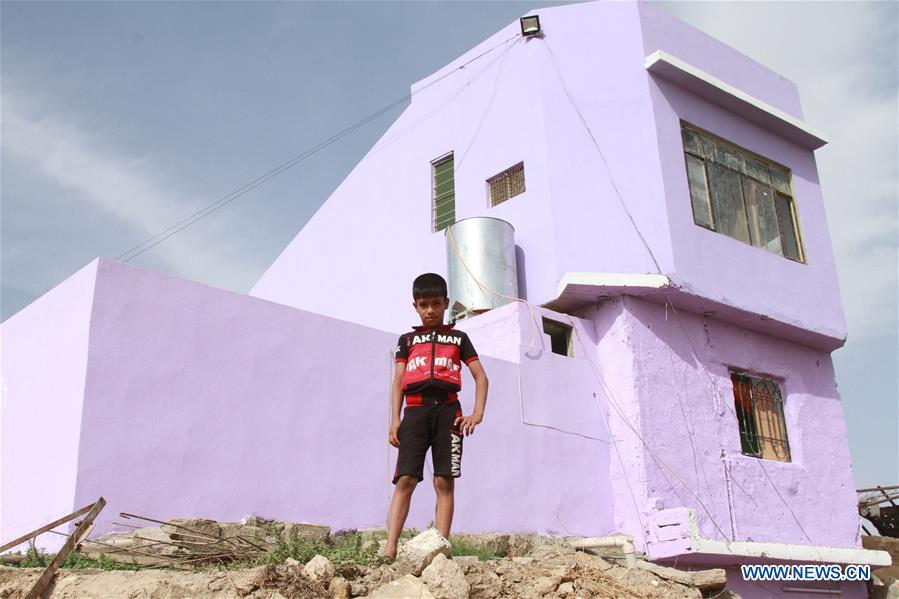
(443, 193)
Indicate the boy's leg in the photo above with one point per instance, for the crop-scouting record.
(410, 461)
(399, 509)
(444, 486)
(447, 455)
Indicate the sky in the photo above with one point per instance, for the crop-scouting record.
(120, 119)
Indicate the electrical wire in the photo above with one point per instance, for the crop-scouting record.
(147, 244)
(658, 268)
(655, 457)
(496, 82)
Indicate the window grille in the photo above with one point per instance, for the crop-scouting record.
(740, 194)
(760, 415)
(507, 184)
(443, 193)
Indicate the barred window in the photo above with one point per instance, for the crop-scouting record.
(443, 193)
(507, 184)
(760, 414)
(740, 194)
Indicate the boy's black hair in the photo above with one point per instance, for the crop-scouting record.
(428, 285)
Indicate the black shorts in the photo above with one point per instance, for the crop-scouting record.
(430, 425)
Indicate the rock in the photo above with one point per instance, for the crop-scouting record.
(705, 580)
(888, 590)
(522, 560)
(566, 588)
(200, 529)
(518, 545)
(445, 579)
(153, 539)
(246, 581)
(545, 585)
(406, 587)
(339, 588)
(373, 534)
(319, 569)
(419, 552)
(358, 589)
(551, 550)
(485, 585)
(496, 543)
(592, 562)
(308, 532)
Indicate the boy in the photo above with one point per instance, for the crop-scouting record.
(429, 374)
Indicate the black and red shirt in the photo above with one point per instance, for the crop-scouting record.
(433, 358)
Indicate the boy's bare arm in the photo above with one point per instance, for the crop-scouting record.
(468, 423)
(396, 403)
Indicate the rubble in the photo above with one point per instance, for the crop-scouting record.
(541, 567)
(419, 552)
(445, 579)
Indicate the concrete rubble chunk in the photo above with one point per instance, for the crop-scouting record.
(308, 532)
(339, 588)
(705, 580)
(888, 590)
(198, 527)
(358, 589)
(153, 539)
(445, 579)
(545, 585)
(407, 587)
(319, 569)
(421, 550)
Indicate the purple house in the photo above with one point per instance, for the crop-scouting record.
(669, 376)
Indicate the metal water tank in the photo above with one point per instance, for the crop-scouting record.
(487, 247)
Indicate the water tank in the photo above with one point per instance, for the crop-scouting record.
(487, 247)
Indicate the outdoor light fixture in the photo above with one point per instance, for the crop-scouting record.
(530, 26)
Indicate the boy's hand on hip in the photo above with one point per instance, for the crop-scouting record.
(392, 436)
(467, 423)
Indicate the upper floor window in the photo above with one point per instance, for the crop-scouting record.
(507, 184)
(760, 415)
(443, 193)
(740, 194)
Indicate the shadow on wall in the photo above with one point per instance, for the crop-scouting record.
(522, 277)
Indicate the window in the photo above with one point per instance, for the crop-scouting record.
(507, 184)
(740, 195)
(760, 414)
(559, 337)
(443, 193)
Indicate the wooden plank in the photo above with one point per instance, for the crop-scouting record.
(60, 557)
(46, 528)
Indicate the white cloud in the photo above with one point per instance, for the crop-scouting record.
(127, 187)
(841, 55)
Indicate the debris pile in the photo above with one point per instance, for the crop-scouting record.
(532, 566)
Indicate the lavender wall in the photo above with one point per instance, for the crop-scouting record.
(714, 265)
(43, 364)
(200, 402)
(674, 388)
(379, 219)
(574, 215)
